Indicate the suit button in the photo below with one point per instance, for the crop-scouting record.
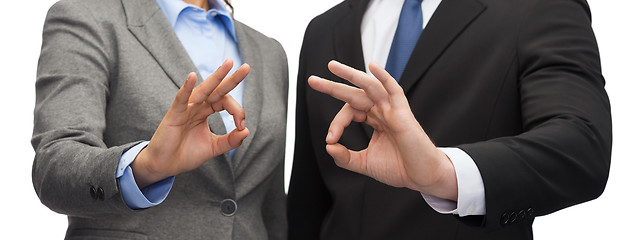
(100, 194)
(530, 212)
(504, 219)
(522, 215)
(513, 217)
(93, 193)
(228, 207)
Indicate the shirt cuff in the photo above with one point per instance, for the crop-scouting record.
(134, 197)
(471, 196)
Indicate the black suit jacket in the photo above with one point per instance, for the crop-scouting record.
(516, 84)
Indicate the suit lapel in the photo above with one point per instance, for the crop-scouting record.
(449, 20)
(348, 43)
(252, 93)
(150, 26)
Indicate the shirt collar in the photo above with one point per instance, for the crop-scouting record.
(173, 8)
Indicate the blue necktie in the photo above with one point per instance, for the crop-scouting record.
(406, 36)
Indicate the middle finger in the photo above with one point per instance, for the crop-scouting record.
(372, 86)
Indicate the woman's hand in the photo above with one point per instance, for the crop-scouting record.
(183, 140)
(400, 153)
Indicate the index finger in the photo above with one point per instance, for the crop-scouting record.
(343, 118)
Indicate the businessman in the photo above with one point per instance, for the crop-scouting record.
(473, 118)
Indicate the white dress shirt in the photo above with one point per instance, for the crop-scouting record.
(378, 29)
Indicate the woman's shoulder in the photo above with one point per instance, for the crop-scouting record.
(99, 10)
(243, 30)
(253, 38)
(92, 6)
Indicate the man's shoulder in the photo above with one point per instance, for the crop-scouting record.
(334, 14)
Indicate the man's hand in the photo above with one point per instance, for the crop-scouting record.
(400, 153)
(183, 140)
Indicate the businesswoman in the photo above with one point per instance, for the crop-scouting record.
(128, 148)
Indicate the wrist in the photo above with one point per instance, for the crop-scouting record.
(443, 182)
(447, 186)
(143, 171)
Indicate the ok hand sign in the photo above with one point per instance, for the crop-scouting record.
(400, 153)
(183, 140)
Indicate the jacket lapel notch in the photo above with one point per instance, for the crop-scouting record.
(155, 33)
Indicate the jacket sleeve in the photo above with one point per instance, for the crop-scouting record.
(74, 170)
(562, 158)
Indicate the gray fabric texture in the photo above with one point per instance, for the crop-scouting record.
(107, 74)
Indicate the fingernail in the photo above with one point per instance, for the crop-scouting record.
(329, 136)
(242, 124)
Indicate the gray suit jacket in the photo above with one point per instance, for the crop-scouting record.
(108, 72)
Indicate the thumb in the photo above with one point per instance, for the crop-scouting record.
(346, 158)
(230, 140)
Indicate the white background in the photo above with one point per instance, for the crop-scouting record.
(24, 217)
